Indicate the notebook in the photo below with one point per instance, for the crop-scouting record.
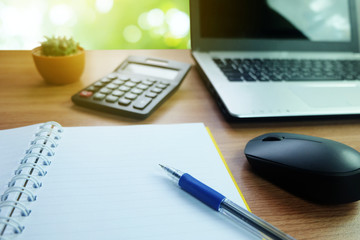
(278, 58)
(105, 183)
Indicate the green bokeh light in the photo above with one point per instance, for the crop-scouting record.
(96, 24)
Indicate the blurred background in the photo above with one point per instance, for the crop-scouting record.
(96, 24)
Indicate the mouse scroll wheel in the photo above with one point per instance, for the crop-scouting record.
(272, 138)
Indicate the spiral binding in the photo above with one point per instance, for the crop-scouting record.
(53, 143)
(41, 171)
(31, 178)
(46, 131)
(23, 209)
(8, 221)
(22, 187)
(36, 157)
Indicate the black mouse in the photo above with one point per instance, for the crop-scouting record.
(317, 169)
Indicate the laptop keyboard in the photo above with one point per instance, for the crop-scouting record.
(288, 69)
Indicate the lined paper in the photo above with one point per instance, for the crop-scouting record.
(105, 183)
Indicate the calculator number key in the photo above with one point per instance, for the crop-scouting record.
(117, 93)
(130, 96)
(151, 94)
(156, 90)
(124, 88)
(124, 101)
(105, 90)
(99, 96)
(137, 91)
(161, 85)
(111, 98)
(142, 103)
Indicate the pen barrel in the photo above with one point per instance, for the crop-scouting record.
(200, 191)
(255, 224)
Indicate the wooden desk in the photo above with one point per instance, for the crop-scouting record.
(26, 99)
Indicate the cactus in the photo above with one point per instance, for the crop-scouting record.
(59, 46)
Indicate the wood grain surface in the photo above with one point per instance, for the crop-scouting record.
(26, 99)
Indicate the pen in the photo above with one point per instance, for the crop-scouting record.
(221, 204)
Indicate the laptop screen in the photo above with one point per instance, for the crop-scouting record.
(314, 20)
(274, 24)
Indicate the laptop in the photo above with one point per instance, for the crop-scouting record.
(278, 58)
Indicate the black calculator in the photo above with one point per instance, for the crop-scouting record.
(135, 88)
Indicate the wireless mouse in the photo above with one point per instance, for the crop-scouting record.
(317, 169)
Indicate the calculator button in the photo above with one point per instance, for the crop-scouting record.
(156, 90)
(151, 94)
(147, 82)
(98, 84)
(99, 96)
(130, 84)
(142, 103)
(118, 93)
(92, 88)
(112, 75)
(165, 83)
(105, 80)
(135, 80)
(130, 96)
(111, 99)
(142, 86)
(86, 93)
(124, 88)
(162, 86)
(118, 82)
(105, 90)
(112, 86)
(124, 101)
(124, 78)
(151, 80)
(137, 91)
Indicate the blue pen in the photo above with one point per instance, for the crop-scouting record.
(221, 204)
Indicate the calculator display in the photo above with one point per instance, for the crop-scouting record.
(154, 71)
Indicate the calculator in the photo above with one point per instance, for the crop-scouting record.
(135, 88)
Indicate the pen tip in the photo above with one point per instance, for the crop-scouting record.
(164, 167)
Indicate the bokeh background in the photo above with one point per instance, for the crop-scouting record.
(96, 24)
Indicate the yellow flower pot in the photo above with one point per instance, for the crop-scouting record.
(60, 69)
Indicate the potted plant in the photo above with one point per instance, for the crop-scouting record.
(59, 60)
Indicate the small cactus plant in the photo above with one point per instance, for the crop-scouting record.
(59, 46)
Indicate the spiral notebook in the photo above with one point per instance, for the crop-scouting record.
(105, 183)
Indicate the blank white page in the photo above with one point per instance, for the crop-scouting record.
(105, 183)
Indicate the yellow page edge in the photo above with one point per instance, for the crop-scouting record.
(227, 168)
